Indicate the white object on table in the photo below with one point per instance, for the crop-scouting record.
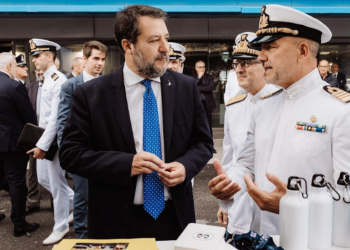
(276, 239)
(170, 245)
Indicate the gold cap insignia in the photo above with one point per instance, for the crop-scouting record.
(338, 93)
(54, 76)
(32, 44)
(236, 99)
(264, 23)
(242, 47)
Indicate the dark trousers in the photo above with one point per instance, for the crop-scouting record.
(34, 188)
(15, 164)
(165, 227)
(80, 207)
(208, 113)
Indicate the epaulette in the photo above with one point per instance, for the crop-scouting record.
(236, 99)
(272, 94)
(54, 76)
(338, 93)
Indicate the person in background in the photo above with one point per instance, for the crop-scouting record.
(285, 137)
(34, 188)
(323, 67)
(15, 112)
(77, 67)
(340, 76)
(21, 69)
(206, 87)
(57, 63)
(94, 57)
(232, 86)
(50, 174)
(176, 57)
(239, 109)
(139, 135)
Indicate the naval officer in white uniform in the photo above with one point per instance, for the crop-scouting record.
(277, 147)
(50, 175)
(250, 74)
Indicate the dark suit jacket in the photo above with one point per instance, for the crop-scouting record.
(206, 87)
(67, 89)
(98, 144)
(15, 111)
(341, 80)
(32, 89)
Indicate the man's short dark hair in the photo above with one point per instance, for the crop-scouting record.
(53, 53)
(126, 22)
(89, 46)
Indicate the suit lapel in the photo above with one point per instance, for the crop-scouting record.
(119, 105)
(80, 79)
(168, 86)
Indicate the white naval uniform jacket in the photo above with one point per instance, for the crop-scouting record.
(50, 97)
(275, 145)
(237, 122)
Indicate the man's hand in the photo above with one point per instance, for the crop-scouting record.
(172, 174)
(145, 163)
(266, 201)
(38, 153)
(221, 186)
(200, 74)
(222, 217)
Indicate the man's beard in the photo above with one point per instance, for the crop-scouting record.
(149, 69)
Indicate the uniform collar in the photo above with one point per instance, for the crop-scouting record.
(263, 92)
(304, 86)
(130, 78)
(49, 71)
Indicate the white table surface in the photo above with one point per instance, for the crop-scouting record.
(169, 245)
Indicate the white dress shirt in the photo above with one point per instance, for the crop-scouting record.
(134, 90)
(49, 99)
(232, 87)
(237, 122)
(87, 76)
(275, 145)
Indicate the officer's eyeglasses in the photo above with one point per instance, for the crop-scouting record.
(244, 64)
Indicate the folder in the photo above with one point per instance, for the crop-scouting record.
(30, 136)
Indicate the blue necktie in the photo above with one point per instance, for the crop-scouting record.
(153, 188)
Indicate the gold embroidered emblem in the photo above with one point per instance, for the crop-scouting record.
(172, 52)
(54, 76)
(236, 99)
(264, 19)
(32, 44)
(264, 23)
(272, 94)
(242, 47)
(338, 93)
(313, 119)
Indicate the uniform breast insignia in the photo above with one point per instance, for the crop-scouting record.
(236, 99)
(272, 94)
(54, 76)
(338, 93)
(313, 127)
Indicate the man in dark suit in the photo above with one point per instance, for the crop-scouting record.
(34, 188)
(139, 135)
(340, 76)
(77, 67)
(15, 112)
(94, 56)
(206, 87)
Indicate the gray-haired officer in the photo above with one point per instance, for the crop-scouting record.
(294, 131)
(176, 57)
(21, 69)
(239, 109)
(50, 174)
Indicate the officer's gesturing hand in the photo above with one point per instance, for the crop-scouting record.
(145, 163)
(221, 186)
(266, 201)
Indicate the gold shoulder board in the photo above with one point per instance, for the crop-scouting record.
(272, 94)
(232, 70)
(338, 93)
(54, 76)
(236, 99)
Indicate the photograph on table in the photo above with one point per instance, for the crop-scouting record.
(93, 246)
